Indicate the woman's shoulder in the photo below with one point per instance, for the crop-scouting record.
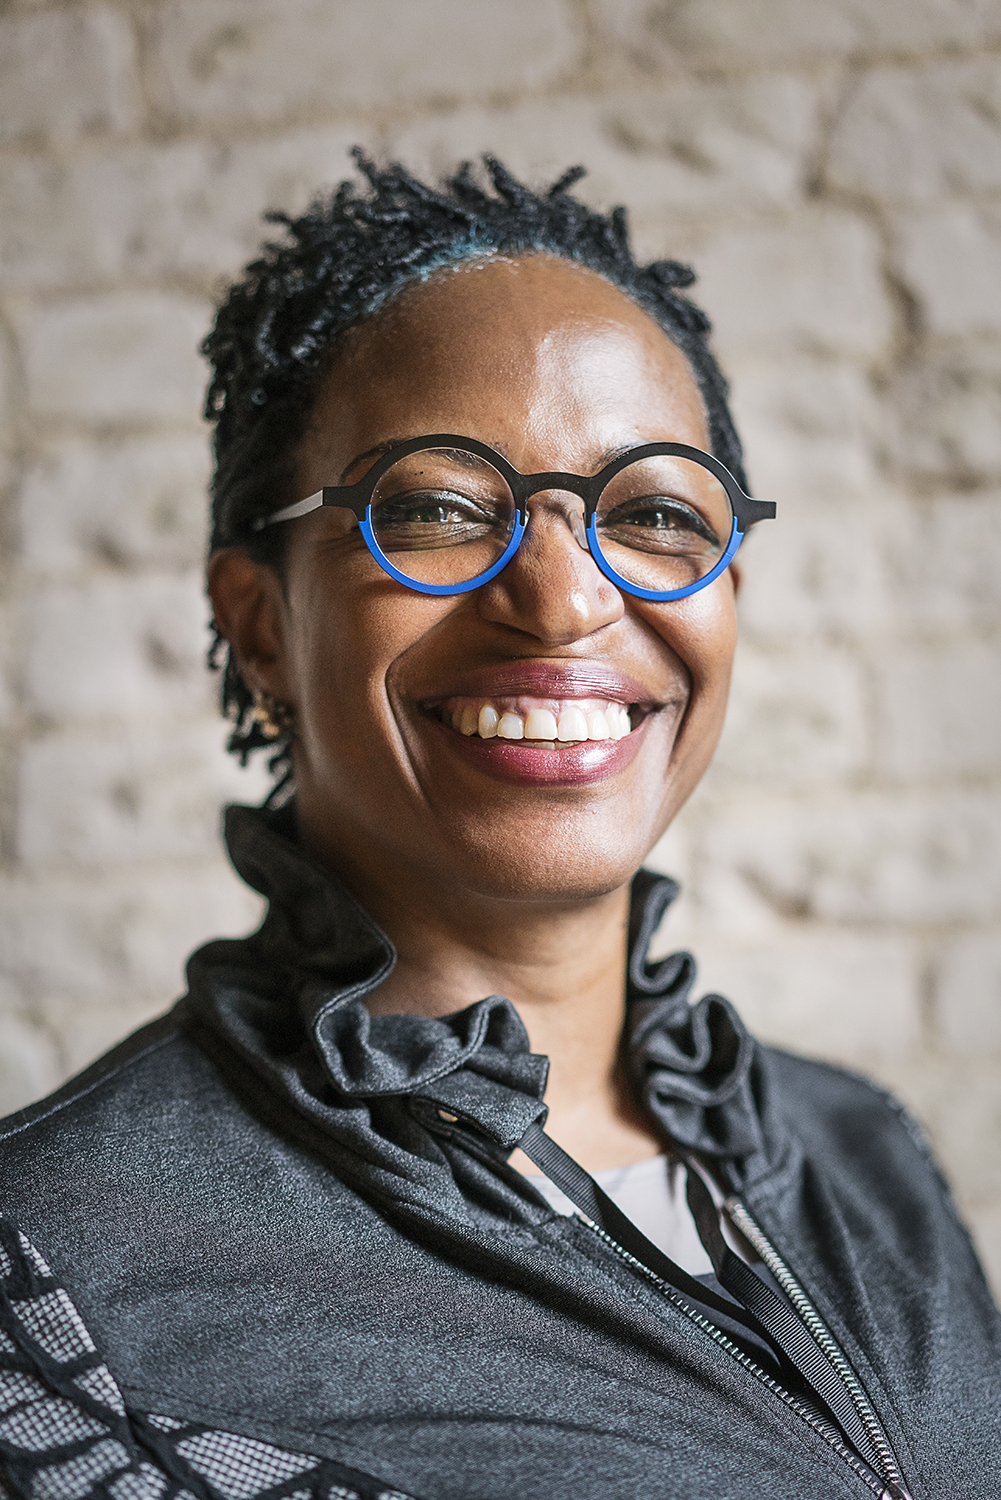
(141, 1109)
(851, 1124)
(149, 1056)
(826, 1095)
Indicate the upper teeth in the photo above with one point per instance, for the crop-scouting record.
(571, 723)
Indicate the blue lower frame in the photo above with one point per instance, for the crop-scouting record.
(449, 589)
(661, 596)
(440, 588)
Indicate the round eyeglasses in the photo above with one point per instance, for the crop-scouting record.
(445, 514)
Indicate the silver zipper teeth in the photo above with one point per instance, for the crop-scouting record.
(863, 1471)
(755, 1237)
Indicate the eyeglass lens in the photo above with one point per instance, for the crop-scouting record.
(445, 516)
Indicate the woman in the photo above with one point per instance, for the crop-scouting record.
(330, 1227)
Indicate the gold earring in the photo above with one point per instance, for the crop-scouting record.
(272, 718)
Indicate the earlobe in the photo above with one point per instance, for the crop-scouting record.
(247, 607)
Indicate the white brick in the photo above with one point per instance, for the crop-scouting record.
(985, 1226)
(138, 210)
(733, 32)
(29, 1063)
(857, 568)
(942, 420)
(118, 648)
(819, 568)
(844, 997)
(950, 258)
(695, 145)
(138, 501)
(958, 1103)
(811, 283)
(805, 424)
(87, 801)
(796, 718)
(966, 1118)
(921, 131)
(87, 1028)
(938, 710)
(115, 358)
(221, 60)
(8, 398)
(864, 858)
(9, 660)
(944, 561)
(968, 995)
(125, 934)
(67, 73)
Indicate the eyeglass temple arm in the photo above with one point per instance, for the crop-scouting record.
(331, 494)
(749, 511)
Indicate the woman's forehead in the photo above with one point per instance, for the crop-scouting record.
(534, 345)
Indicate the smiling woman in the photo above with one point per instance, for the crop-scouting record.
(436, 1186)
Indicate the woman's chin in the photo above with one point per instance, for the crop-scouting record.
(562, 861)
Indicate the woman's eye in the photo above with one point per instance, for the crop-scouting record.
(659, 514)
(440, 508)
(435, 512)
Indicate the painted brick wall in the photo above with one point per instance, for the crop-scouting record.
(834, 169)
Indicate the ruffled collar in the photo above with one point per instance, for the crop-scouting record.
(290, 999)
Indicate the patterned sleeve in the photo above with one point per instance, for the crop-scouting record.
(66, 1433)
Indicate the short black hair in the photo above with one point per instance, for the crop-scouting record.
(339, 263)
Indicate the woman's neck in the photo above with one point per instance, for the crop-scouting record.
(564, 971)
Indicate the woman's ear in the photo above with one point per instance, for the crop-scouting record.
(249, 610)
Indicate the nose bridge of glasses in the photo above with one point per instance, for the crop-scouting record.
(553, 486)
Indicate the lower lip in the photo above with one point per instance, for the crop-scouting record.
(530, 765)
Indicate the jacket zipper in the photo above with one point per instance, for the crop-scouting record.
(756, 1238)
(887, 1488)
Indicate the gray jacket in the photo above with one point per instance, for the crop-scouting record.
(302, 1265)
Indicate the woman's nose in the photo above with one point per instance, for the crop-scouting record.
(552, 589)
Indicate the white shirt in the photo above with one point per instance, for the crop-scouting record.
(652, 1194)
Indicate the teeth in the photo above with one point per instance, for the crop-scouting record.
(511, 727)
(541, 725)
(573, 725)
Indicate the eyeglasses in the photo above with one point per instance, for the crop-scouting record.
(445, 514)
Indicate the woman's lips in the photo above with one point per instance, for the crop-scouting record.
(528, 764)
(548, 679)
(544, 722)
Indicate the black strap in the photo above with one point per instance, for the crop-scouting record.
(777, 1317)
(581, 1188)
(761, 1310)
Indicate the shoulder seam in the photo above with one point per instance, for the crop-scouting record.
(63, 1101)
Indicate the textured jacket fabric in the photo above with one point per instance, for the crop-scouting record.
(282, 1218)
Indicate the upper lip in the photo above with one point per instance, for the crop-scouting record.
(548, 679)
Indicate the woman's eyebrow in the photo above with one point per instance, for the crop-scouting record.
(396, 442)
(375, 452)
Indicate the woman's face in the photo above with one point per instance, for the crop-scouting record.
(558, 370)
